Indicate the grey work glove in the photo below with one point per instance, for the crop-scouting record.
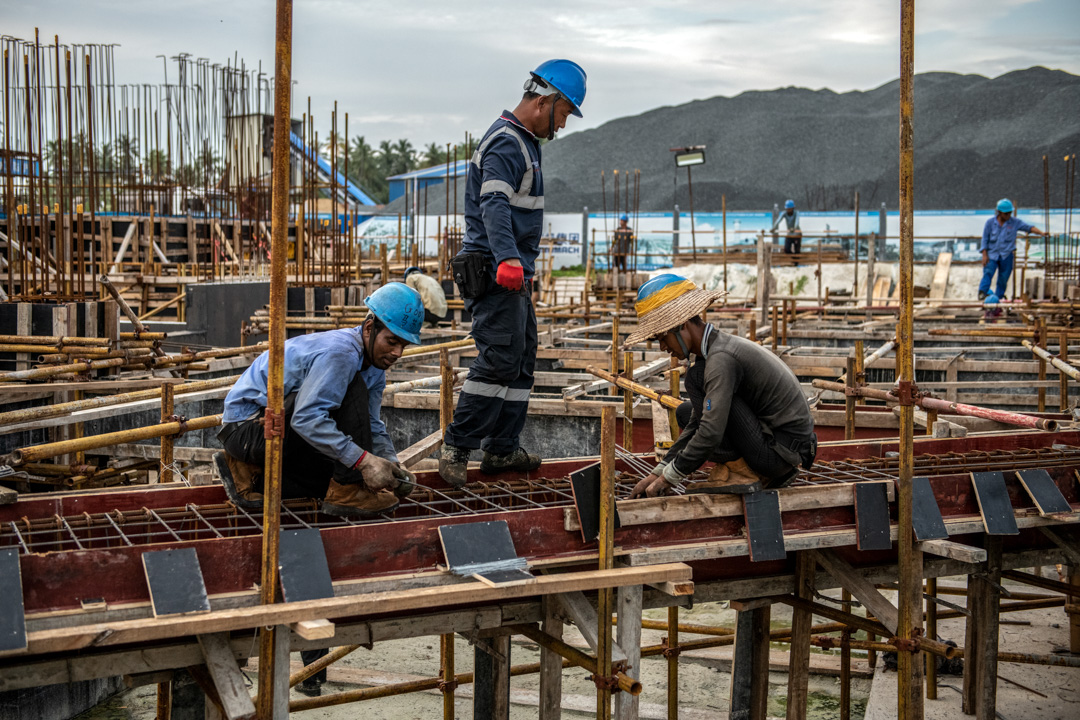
(379, 473)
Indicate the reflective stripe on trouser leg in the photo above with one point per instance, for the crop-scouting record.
(504, 437)
(502, 326)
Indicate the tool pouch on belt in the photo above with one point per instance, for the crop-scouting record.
(472, 274)
(808, 451)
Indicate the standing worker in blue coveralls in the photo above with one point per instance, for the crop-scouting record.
(504, 220)
(793, 238)
(999, 247)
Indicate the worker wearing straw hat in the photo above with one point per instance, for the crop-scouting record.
(750, 416)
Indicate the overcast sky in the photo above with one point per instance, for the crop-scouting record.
(430, 70)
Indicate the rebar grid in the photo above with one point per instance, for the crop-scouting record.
(146, 526)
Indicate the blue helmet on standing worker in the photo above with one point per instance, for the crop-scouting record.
(400, 309)
(624, 218)
(1004, 205)
(565, 76)
(789, 205)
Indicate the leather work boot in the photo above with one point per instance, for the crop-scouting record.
(735, 478)
(239, 479)
(517, 461)
(454, 465)
(356, 501)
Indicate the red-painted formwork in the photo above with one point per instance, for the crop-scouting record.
(81, 547)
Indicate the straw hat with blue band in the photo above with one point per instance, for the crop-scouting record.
(667, 301)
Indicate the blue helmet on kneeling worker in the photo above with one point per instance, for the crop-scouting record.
(667, 301)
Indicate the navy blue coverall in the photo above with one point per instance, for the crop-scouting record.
(504, 219)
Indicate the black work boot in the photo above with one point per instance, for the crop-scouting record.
(517, 461)
(240, 479)
(310, 687)
(454, 465)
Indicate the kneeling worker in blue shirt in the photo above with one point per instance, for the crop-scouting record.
(336, 446)
(999, 247)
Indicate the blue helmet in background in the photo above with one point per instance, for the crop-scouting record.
(410, 270)
(1004, 205)
(400, 309)
(789, 205)
(565, 76)
(624, 218)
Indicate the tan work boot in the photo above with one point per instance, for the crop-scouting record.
(356, 501)
(239, 479)
(734, 478)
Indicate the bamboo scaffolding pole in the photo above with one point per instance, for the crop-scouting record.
(34, 453)
(945, 406)
(55, 340)
(663, 398)
(1057, 362)
(47, 372)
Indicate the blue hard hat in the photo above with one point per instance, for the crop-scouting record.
(789, 204)
(400, 309)
(1004, 205)
(565, 76)
(410, 270)
(624, 218)
(992, 299)
(653, 284)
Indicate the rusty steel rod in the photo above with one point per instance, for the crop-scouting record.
(663, 398)
(42, 373)
(945, 406)
(1057, 362)
(575, 656)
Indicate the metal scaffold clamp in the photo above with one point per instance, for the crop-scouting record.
(602, 682)
(907, 392)
(182, 422)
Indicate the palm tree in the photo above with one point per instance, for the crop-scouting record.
(434, 154)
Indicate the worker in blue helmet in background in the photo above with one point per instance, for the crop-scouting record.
(504, 220)
(623, 243)
(749, 415)
(336, 446)
(999, 247)
(793, 238)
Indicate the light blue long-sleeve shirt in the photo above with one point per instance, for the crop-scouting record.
(1000, 239)
(319, 367)
(792, 220)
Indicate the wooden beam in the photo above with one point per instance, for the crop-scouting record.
(954, 550)
(313, 629)
(143, 630)
(799, 660)
(8, 496)
(551, 663)
(421, 449)
(867, 594)
(629, 637)
(697, 506)
(229, 681)
(581, 611)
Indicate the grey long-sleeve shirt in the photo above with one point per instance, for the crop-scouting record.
(735, 366)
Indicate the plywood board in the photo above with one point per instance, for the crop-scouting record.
(1044, 492)
(881, 286)
(764, 526)
(872, 516)
(175, 581)
(585, 484)
(12, 618)
(994, 503)
(941, 276)
(926, 515)
(304, 572)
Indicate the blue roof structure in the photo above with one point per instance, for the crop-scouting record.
(434, 172)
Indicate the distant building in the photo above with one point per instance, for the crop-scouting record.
(428, 177)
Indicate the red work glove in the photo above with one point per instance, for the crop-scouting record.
(511, 277)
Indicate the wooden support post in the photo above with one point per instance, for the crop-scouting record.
(23, 327)
(752, 335)
(446, 665)
(986, 590)
(860, 369)
(229, 682)
(845, 661)
(1042, 362)
(446, 644)
(750, 660)
(849, 400)
(775, 329)
(384, 264)
(931, 632)
(763, 274)
(491, 678)
(784, 327)
(446, 390)
(1063, 393)
(614, 391)
(671, 652)
(674, 391)
(628, 404)
(799, 654)
(165, 473)
(551, 663)
(606, 542)
(1074, 618)
(629, 639)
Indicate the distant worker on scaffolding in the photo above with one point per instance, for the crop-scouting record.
(750, 416)
(999, 247)
(504, 220)
(431, 293)
(623, 243)
(336, 446)
(793, 238)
